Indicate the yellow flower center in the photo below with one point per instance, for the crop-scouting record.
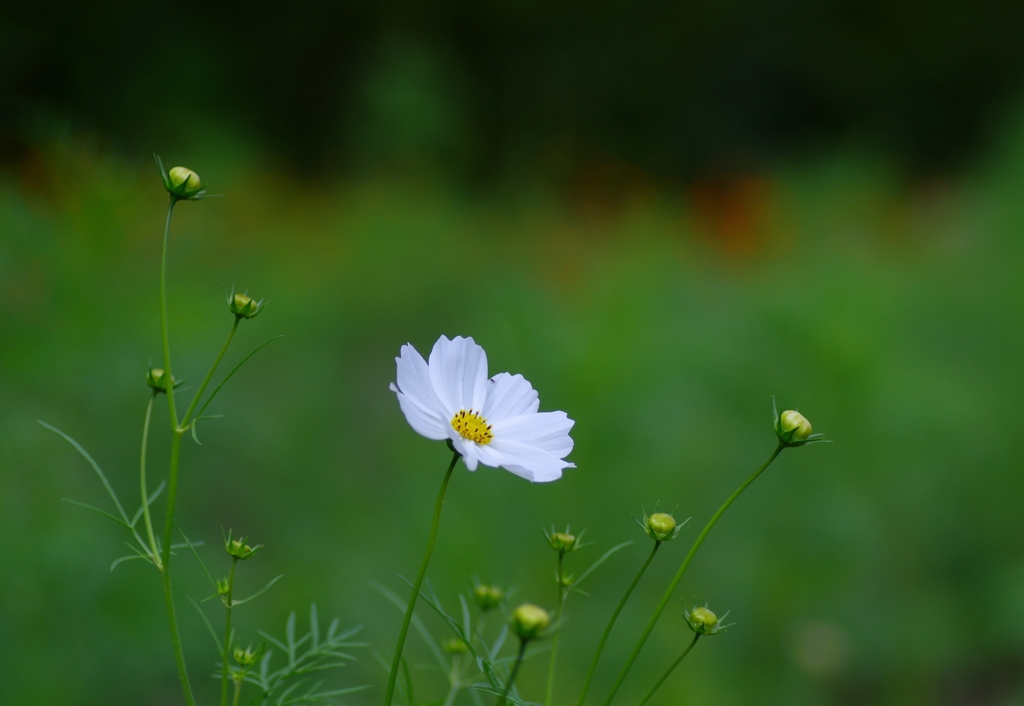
(472, 426)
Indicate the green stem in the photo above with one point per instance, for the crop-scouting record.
(165, 339)
(397, 660)
(512, 677)
(238, 692)
(186, 420)
(682, 570)
(454, 681)
(611, 623)
(554, 641)
(142, 483)
(172, 479)
(668, 671)
(226, 671)
(172, 619)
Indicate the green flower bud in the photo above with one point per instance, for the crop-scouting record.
(660, 526)
(795, 425)
(455, 646)
(529, 621)
(238, 549)
(222, 587)
(184, 179)
(181, 183)
(703, 621)
(245, 657)
(243, 306)
(487, 597)
(563, 542)
(793, 429)
(157, 379)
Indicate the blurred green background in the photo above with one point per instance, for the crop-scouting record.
(660, 214)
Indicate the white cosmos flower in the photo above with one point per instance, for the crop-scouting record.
(490, 421)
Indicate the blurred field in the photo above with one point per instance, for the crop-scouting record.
(886, 568)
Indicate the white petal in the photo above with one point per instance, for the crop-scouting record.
(421, 421)
(458, 373)
(548, 431)
(414, 381)
(469, 455)
(529, 462)
(509, 396)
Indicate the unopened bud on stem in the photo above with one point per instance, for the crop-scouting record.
(157, 379)
(487, 597)
(793, 429)
(529, 621)
(243, 306)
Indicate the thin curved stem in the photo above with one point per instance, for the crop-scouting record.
(172, 619)
(187, 419)
(503, 699)
(142, 483)
(558, 619)
(164, 336)
(682, 570)
(227, 634)
(397, 660)
(238, 692)
(696, 636)
(611, 623)
(172, 478)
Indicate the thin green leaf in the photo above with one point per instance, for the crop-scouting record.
(96, 509)
(467, 622)
(512, 696)
(96, 467)
(314, 625)
(233, 371)
(129, 557)
(209, 625)
(154, 496)
(289, 633)
(600, 561)
(342, 692)
(259, 592)
(192, 546)
(417, 623)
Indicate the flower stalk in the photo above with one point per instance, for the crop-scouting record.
(563, 589)
(187, 420)
(172, 475)
(226, 672)
(657, 684)
(611, 624)
(142, 483)
(397, 660)
(682, 570)
(503, 699)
